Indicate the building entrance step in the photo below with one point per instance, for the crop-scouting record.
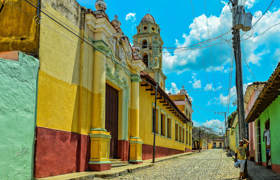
(118, 163)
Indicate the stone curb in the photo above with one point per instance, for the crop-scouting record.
(115, 172)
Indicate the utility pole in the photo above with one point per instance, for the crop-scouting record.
(238, 63)
(240, 20)
(154, 125)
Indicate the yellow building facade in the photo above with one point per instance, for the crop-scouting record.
(95, 92)
(233, 131)
(216, 143)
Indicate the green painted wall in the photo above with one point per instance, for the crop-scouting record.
(272, 113)
(18, 87)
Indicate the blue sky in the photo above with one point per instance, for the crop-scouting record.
(205, 70)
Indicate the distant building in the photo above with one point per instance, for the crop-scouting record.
(216, 143)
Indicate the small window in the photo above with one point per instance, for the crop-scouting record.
(176, 132)
(183, 140)
(169, 128)
(144, 44)
(153, 28)
(190, 137)
(145, 27)
(187, 137)
(162, 125)
(146, 59)
(156, 119)
(180, 134)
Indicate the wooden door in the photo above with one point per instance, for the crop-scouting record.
(259, 152)
(112, 109)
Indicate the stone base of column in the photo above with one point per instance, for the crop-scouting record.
(123, 149)
(135, 154)
(99, 150)
(100, 167)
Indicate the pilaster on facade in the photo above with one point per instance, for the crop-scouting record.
(135, 140)
(99, 157)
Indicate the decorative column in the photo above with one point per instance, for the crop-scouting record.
(135, 155)
(99, 137)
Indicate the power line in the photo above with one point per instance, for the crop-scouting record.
(192, 46)
(262, 33)
(267, 9)
(258, 20)
(230, 81)
(59, 23)
(248, 67)
(89, 43)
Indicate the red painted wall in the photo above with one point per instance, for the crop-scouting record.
(123, 150)
(276, 168)
(60, 152)
(147, 151)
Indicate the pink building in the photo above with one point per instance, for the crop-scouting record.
(252, 93)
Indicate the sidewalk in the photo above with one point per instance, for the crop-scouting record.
(257, 172)
(114, 172)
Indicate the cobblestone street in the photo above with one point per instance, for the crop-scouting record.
(211, 164)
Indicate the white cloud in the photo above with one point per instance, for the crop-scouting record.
(197, 84)
(173, 89)
(262, 39)
(201, 28)
(209, 87)
(215, 58)
(215, 124)
(213, 68)
(248, 3)
(233, 95)
(130, 17)
(224, 99)
(277, 54)
(255, 58)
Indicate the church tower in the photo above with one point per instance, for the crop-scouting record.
(150, 43)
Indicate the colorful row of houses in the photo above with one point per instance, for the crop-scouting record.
(262, 104)
(75, 94)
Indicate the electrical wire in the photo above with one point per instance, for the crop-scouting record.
(196, 48)
(230, 81)
(248, 67)
(258, 20)
(191, 47)
(262, 33)
(267, 9)
(59, 23)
